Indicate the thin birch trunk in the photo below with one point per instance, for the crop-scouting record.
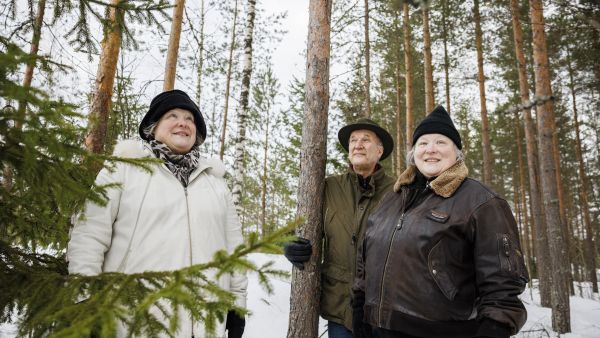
(200, 71)
(367, 111)
(540, 244)
(239, 165)
(408, 75)
(427, 63)
(485, 128)
(228, 82)
(105, 78)
(589, 252)
(561, 321)
(173, 49)
(306, 284)
(263, 197)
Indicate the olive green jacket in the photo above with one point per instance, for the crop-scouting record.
(346, 209)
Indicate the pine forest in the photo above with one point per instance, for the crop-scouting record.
(275, 81)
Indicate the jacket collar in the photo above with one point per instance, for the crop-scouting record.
(444, 185)
(375, 178)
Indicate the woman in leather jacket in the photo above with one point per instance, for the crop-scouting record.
(441, 255)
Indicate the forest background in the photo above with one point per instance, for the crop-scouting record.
(244, 62)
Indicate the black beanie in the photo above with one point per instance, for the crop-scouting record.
(166, 101)
(437, 122)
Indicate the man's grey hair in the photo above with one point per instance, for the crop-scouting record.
(410, 157)
(149, 131)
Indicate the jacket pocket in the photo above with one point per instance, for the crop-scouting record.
(437, 216)
(439, 272)
(511, 258)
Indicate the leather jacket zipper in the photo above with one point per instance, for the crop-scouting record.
(396, 229)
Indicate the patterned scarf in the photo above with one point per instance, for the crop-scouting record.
(181, 165)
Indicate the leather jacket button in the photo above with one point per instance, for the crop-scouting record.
(434, 271)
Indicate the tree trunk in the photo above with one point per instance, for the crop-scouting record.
(538, 225)
(200, 54)
(428, 68)
(228, 81)
(408, 76)
(239, 165)
(105, 78)
(306, 284)
(558, 253)
(367, 112)
(525, 223)
(263, 214)
(588, 252)
(173, 50)
(446, 57)
(27, 78)
(485, 129)
(399, 137)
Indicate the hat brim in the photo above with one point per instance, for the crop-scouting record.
(385, 137)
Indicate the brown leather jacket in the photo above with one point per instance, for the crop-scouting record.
(442, 259)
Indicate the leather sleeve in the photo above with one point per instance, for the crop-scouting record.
(500, 270)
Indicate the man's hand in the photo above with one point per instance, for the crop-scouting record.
(298, 252)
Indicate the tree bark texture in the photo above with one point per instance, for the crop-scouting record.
(589, 253)
(173, 49)
(526, 239)
(306, 284)
(399, 137)
(367, 112)
(427, 63)
(539, 226)
(239, 165)
(228, 81)
(408, 75)
(200, 54)
(561, 322)
(485, 128)
(105, 78)
(446, 57)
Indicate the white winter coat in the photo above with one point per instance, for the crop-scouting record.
(153, 223)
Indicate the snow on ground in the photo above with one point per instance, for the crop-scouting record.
(269, 313)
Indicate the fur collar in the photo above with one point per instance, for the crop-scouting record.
(139, 149)
(444, 185)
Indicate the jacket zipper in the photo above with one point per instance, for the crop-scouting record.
(396, 228)
(187, 205)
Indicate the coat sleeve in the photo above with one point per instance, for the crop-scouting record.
(239, 281)
(500, 270)
(92, 231)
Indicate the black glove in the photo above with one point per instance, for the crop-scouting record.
(360, 329)
(234, 325)
(298, 252)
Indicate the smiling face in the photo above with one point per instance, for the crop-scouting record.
(434, 153)
(177, 130)
(364, 151)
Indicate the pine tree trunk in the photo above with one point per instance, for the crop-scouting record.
(27, 79)
(239, 165)
(427, 63)
(263, 214)
(228, 82)
(367, 112)
(173, 50)
(525, 224)
(538, 225)
(546, 126)
(200, 54)
(408, 76)
(485, 129)
(399, 165)
(446, 57)
(588, 252)
(306, 284)
(105, 78)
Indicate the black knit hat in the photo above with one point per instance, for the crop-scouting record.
(166, 101)
(364, 123)
(437, 122)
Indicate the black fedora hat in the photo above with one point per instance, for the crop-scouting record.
(166, 101)
(368, 124)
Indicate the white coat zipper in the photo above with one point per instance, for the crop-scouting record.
(396, 228)
(187, 208)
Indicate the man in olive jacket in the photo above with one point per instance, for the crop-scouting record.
(349, 199)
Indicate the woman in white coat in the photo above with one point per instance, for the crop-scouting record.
(172, 218)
